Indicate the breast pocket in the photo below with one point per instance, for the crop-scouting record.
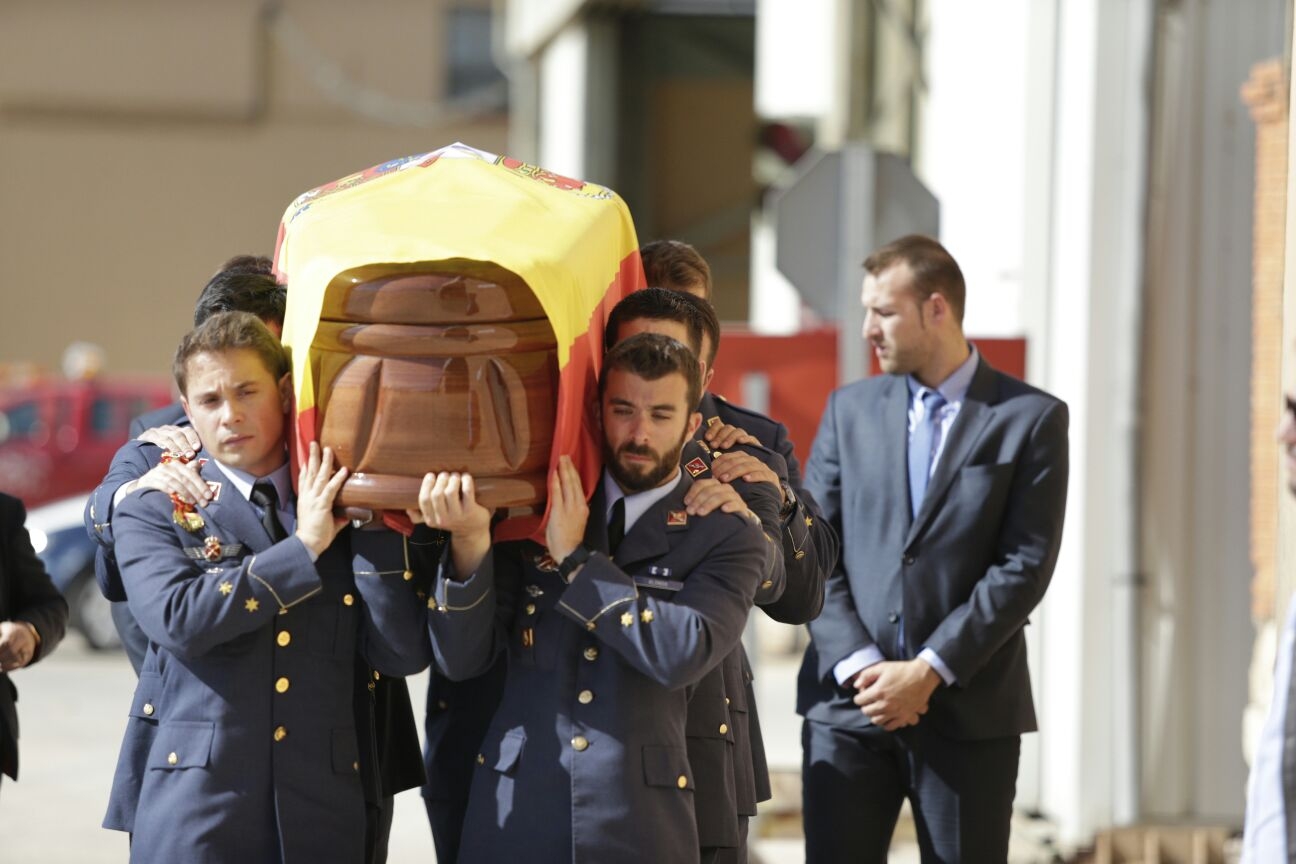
(985, 486)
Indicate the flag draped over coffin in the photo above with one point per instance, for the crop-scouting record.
(572, 242)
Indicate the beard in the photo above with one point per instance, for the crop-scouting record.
(633, 479)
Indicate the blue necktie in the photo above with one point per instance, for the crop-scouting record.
(921, 446)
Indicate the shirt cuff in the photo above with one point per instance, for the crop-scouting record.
(122, 491)
(933, 660)
(851, 666)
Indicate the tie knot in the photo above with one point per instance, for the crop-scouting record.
(932, 400)
(264, 494)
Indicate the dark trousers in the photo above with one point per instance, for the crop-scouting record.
(729, 854)
(446, 817)
(855, 781)
(378, 824)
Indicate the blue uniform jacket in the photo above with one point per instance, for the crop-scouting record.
(585, 760)
(242, 740)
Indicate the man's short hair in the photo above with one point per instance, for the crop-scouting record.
(652, 356)
(661, 304)
(249, 264)
(934, 269)
(676, 265)
(229, 331)
(238, 290)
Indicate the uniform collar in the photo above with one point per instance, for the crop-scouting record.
(281, 477)
(637, 503)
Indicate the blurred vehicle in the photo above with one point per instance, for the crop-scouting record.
(58, 534)
(57, 435)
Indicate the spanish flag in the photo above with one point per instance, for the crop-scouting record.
(572, 242)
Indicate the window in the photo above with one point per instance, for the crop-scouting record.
(472, 68)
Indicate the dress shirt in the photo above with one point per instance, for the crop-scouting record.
(281, 479)
(1264, 837)
(954, 390)
(636, 504)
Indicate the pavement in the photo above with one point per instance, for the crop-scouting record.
(72, 713)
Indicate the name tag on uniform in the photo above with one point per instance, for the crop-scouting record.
(659, 582)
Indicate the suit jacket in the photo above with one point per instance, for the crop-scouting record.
(26, 594)
(965, 573)
(585, 760)
(167, 415)
(243, 734)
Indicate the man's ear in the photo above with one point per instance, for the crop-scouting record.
(940, 308)
(694, 421)
(285, 391)
(707, 374)
(184, 403)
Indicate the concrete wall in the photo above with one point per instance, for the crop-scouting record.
(167, 136)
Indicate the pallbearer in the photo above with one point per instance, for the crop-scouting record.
(633, 601)
(254, 616)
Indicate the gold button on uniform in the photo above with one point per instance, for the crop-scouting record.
(724, 728)
(585, 697)
(530, 609)
(283, 638)
(579, 743)
(481, 760)
(682, 782)
(281, 686)
(407, 575)
(377, 676)
(768, 583)
(355, 766)
(172, 758)
(441, 703)
(591, 653)
(347, 600)
(726, 700)
(148, 709)
(280, 733)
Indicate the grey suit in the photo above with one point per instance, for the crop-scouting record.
(963, 575)
(585, 760)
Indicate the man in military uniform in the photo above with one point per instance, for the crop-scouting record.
(726, 748)
(254, 616)
(633, 602)
(384, 717)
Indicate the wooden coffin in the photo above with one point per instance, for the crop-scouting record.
(436, 366)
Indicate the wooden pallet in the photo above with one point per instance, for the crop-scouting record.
(1160, 844)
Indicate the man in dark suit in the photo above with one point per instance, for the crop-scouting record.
(634, 600)
(33, 617)
(947, 483)
(243, 593)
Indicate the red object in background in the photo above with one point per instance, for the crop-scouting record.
(57, 437)
(801, 371)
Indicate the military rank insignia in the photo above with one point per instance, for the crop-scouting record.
(528, 637)
(696, 467)
(545, 563)
(676, 518)
(212, 548)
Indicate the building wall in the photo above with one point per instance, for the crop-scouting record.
(169, 136)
